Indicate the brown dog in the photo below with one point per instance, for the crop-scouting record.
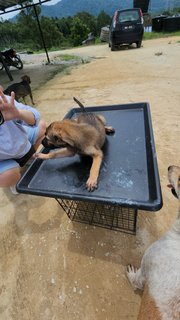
(84, 135)
(21, 89)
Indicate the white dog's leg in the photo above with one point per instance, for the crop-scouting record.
(135, 277)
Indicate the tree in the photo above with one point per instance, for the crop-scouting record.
(88, 20)
(103, 19)
(27, 27)
(79, 31)
(24, 34)
(8, 34)
(52, 35)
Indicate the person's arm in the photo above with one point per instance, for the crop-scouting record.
(27, 116)
(12, 110)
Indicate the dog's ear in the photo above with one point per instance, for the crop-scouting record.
(69, 141)
(63, 139)
(56, 138)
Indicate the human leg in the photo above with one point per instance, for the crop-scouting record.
(9, 169)
(41, 135)
(9, 173)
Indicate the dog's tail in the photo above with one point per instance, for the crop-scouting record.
(79, 104)
(88, 115)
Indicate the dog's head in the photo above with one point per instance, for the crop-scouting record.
(53, 136)
(174, 179)
(26, 78)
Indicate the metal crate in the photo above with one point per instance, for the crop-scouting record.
(112, 217)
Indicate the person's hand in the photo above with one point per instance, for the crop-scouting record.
(8, 109)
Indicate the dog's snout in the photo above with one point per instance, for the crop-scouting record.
(173, 176)
(45, 142)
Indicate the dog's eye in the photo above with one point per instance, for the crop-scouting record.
(55, 138)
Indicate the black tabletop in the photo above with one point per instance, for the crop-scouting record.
(129, 172)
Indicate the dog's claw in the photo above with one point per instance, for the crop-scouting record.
(131, 269)
(91, 188)
(91, 184)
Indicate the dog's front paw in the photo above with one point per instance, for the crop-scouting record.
(135, 277)
(40, 156)
(91, 184)
(131, 274)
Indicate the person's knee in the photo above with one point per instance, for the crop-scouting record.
(10, 177)
(41, 134)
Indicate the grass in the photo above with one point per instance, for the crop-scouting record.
(147, 36)
(68, 57)
(158, 35)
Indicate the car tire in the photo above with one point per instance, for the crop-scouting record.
(112, 47)
(138, 44)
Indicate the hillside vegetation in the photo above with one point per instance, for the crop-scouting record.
(23, 33)
(66, 8)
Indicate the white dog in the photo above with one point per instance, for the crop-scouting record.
(159, 274)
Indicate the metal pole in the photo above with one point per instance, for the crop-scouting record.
(41, 33)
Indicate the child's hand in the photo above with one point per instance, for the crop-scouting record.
(8, 108)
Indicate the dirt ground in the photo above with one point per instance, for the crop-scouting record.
(51, 268)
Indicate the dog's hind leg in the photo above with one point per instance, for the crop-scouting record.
(135, 277)
(109, 130)
(101, 118)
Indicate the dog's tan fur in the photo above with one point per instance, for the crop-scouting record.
(85, 135)
(21, 89)
(148, 308)
(159, 274)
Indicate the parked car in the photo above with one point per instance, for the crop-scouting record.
(126, 28)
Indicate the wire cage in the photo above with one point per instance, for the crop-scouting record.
(112, 217)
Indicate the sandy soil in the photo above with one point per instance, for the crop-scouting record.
(51, 268)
